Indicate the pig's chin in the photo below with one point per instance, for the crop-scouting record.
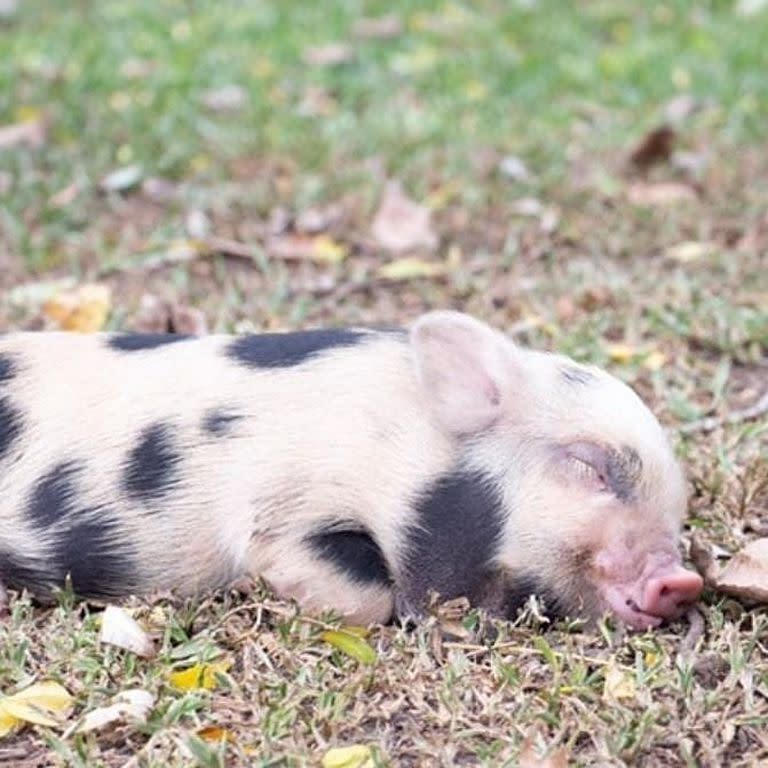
(625, 609)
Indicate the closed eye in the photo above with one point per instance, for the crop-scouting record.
(585, 473)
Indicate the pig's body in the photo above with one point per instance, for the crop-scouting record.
(345, 467)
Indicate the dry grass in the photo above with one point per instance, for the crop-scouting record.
(602, 272)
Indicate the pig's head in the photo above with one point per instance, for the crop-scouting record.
(590, 496)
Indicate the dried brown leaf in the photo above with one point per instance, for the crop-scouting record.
(330, 55)
(746, 574)
(655, 147)
(30, 133)
(529, 757)
(401, 224)
(659, 194)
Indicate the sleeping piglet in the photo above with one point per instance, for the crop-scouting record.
(352, 469)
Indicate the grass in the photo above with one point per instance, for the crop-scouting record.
(570, 91)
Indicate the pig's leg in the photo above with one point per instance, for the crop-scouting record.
(4, 603)
(337, 572)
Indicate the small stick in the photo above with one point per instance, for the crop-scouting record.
(694, 633)
(755, 411)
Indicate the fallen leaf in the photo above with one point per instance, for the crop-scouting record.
(317, 101)
(31, 133)
(351, 644)
(746, 573)
(199, 676)
(659, 194)
(121, 630)
(227, 98)
(513, 168)
(8, 9)
(410, 268)
(378, 27)
(132, 705)
(621, 352)
(414, 62)
(401, 224)
(355, 756)
(438, 198)
(529, 757)
(65, 196)
(122, 179)
(330, 55)
(619, 684)
(160, 190)
(197, 224)
(655, 147)
(688, 251)
(41, 704)
(214, 733)
(297, 247)
(654, 360)
(84, 309)
(528, 206)
(680, 108)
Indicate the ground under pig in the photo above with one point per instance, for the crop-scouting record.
(351, 469)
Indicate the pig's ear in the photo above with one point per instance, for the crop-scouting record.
(463, 366)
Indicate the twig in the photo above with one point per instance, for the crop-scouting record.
(694, 633)
(760, 408)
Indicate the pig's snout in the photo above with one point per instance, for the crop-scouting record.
(668, 594)
(663, 591)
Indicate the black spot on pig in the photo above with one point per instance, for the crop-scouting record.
(354, 553)
(574, 375)
(11, 426)
(95, 556)
(456, 535)
(21, 572)
(518, 588)
(219, 421)
(136, 342)
(54, 495)
(7, 368)
(623, 471)
(151, 467)
(283, 350)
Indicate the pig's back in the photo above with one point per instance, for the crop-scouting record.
(151, 462)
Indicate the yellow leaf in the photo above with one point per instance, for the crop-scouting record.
(214, 733)
(325, 249)
(199, 676)
(621, 353)
(27, 114)
(350, 644)
(83, 309)
(409, 268)
(618, 684)
(40, 704)
(440, 197)
(652, 658)
(356, 756)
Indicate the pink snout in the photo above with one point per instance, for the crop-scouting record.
(663, 592)
(668, 594)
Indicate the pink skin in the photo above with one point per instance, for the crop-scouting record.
(657, 589)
